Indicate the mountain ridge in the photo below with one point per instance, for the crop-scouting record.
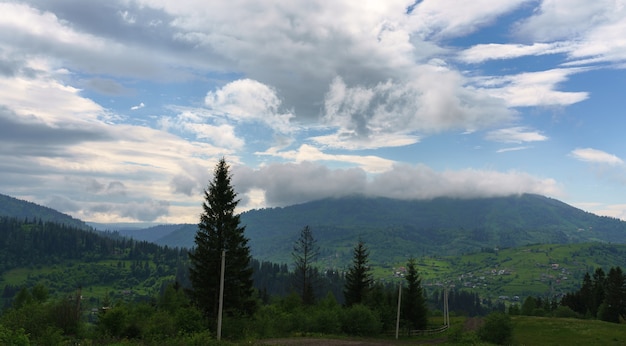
(397, 229)
(19, 208)
(445, 226)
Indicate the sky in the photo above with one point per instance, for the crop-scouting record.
(118, 110)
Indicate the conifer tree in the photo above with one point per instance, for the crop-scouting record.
(614, 305)
(218, 230)
(305, 253)
(414, 307)
(358, 278)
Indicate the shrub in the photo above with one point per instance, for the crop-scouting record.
(565, 312)
(13, 337)
(498, 329)
(326, 321)
(360, 320)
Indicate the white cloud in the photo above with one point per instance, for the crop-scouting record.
(596, 156)
(139, 106)
(422, 182)
(495, 51)
(567, 19)
(533, 88)
(248, 100)
(285, 184)
(594, 30)
(370, 164)
(506, 150)
(434, 100)
(450, 18)
(518, 134)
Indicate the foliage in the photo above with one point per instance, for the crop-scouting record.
(24, 210)
(497, 329)
(360, 320)
(441, 226)
(15, 337)
(304, 254)
(40, 320)
(219, 231)
(602, 296)
(414, 309)
(358, 277)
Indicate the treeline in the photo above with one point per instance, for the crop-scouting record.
(601, 296)
(70, 258)
(34, 242)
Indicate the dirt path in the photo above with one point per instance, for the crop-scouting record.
(345, 342)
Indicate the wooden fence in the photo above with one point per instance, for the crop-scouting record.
(428, 331)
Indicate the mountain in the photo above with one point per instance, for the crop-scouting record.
(397, 229)
(137, 232)
(392, 229)
(17, 208)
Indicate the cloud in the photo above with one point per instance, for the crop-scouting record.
(495, 51)
(106, 86)
(518, 134)
(247, 100)
(422, 182)
(139, 106)
(593, 30)
(596, 156)
(566, 19)
(184, 184)
(449, 18)
(434, 101)
(532, 88)
(505, 150)
(132, 211)
(20, 135)
(370, 164)
(285, 184)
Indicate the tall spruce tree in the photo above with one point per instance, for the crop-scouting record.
(614, 305)
(305, 253)
(414, 309)
(218, 230)
(358, 278)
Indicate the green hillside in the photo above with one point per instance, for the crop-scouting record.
(21, 209)
(545, 270)
(395, 229)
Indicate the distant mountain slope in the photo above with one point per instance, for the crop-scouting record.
(397, 229)
(20, 209)
(151, 234)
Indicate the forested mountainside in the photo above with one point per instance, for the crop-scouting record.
(21, 209)
(396, 229)
(64, 258)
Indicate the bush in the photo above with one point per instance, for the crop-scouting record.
(565, 312)
(360, 320)
(498, 329)
(326, 321)
(13, 337)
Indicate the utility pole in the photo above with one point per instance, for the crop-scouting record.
(446, 314)
(221, 301)
(398, 315)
